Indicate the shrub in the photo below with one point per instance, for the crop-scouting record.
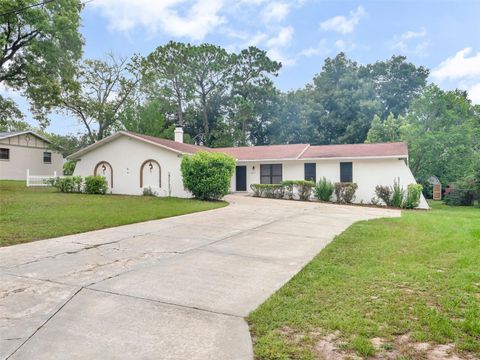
(412, 199)
(207, 175)
(95, 185)
(257, 190)
(323, 190)
(304, 189)
(460, 193)
(288, 186)
(384, 193)
(149, 192)
(274, 191)
(67, 184)
(397, 194)
(345, 192)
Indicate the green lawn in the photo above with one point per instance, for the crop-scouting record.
(28, 214)
(416, 276)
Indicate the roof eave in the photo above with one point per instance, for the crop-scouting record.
(77, 155)
(26, 132)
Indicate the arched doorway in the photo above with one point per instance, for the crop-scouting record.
(103, 168)
(150, 174)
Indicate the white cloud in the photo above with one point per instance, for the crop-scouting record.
(458, 66)
(275, 11)
(474, 93)
(461, 71)
(284, 38)
(411, 42)
(345, 46)
(320, 49)
(344, 24)
(194, 20)
(277, 55)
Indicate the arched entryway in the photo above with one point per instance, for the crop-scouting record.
(103, 168)
(150, 174)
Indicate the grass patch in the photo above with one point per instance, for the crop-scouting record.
(28, 214)
(417, 275)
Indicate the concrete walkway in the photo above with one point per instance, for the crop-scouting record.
(177, 288)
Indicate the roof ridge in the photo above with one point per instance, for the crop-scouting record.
(303, 151)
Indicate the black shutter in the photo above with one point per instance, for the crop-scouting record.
(311, 172)
(346, 172)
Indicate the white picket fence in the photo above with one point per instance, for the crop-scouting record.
(39, 180)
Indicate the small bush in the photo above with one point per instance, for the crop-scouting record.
(274, 191)
(207, 175)
(288, 186)
(304, 189)
(149, 192)
(96, 185)
(323, 190)
(257, 190)
(345, 192)
(412, 199)
(397, 194)
(67, 184)
(384, 193)
(460, 193)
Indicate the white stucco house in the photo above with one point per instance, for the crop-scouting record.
(131, 162)
(22, 150)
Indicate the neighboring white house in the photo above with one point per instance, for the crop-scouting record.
(22, 150)
(131, 162)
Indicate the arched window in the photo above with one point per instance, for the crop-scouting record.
(150, 174)
(103, 168)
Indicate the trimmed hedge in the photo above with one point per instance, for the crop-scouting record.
(207, 175)
(284, 189)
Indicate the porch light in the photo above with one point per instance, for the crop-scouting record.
(104, 168)
(150, 166)
(253, 168)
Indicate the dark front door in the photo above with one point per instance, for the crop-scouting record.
(241, 178)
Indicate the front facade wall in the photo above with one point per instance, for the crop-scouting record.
(129, 161)
(26, 152)
(367, 173)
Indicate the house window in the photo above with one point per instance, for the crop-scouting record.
(346, 172)
(311, 172)
(270, 173)
(4, 154)
(47, 157)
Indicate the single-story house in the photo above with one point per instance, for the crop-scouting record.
(22, 150)
(131, 162)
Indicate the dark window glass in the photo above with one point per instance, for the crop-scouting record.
(311, 172)
(4, 154)
(47, 157)
(270, 173)
(346, 172)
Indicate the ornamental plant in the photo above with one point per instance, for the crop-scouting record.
(412, 197)
(95, 185)
(345, 192)
(323, 189)
(304, 189)
(207, 175)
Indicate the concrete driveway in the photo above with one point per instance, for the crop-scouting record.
(177, 288)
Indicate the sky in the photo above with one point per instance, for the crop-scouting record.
(439, 34)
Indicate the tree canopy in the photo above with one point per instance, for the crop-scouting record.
(40, 46)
